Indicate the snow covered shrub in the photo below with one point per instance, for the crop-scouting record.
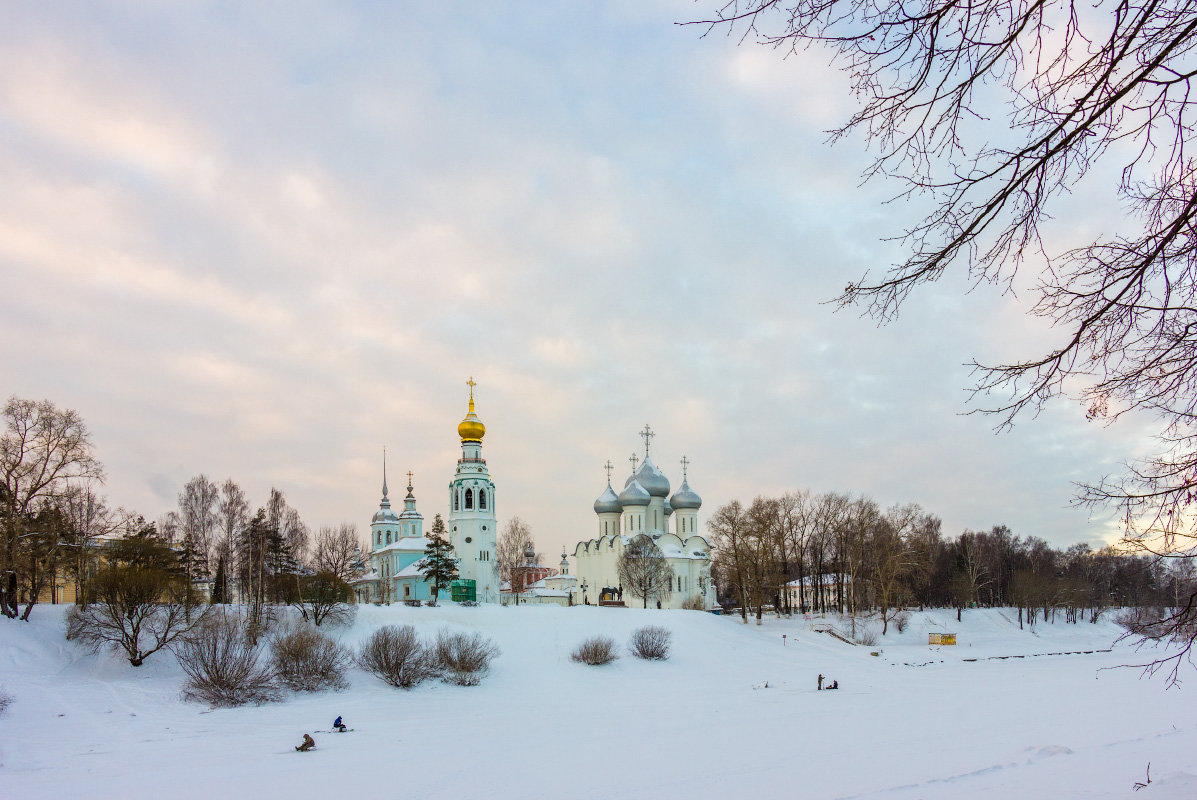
(651, 642)
(694, 603)
(901, 620)
(224, 667)
(5, 701)
(464, 658)
(412, 603)
(595, 651)
(307, 660)
(395, 654)
(468, 603)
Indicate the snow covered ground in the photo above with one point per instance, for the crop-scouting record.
(540, 726)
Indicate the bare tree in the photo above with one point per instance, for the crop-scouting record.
(323, 597)
(233, 518)
(337, 550)
(729, 527)
(643, 570)
(990, 112)
(514, 540)
(42, 448)
(137, 605)
(198, 521)
(89, 522)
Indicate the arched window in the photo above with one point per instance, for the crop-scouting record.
(469, 499)
(456, 500)
(380, 537)
(481, 499)
(388, 537)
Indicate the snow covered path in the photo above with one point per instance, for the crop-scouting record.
(692, 727)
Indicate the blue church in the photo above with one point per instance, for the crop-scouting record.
(397, 544)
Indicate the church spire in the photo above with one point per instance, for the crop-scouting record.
(384, 472)
(471, 429)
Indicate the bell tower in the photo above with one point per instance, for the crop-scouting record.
(472, 521)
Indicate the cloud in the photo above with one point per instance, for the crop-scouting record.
(264, 247)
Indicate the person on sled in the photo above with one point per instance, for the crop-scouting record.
(308, 743)
(340, 726)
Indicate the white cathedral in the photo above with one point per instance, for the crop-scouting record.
(644, 508)
(397, 541)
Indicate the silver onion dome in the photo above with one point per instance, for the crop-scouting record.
(385, 514)
(685, 497)
(652, 479)
(634, 495)
(607, 503)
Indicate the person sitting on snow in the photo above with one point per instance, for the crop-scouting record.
(340, 726)
(308, 743)
(834, 685)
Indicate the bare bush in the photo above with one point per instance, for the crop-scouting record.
(307, 660)
(595, 651)
(396, 655)
(412, 603)
(694, 603)
(651, 642)
(901, 620)
(224, 667)
(866, 635)
(464, 658)
(5, 701)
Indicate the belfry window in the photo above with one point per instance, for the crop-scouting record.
(481, 499)
(469, 500)
(456, 500)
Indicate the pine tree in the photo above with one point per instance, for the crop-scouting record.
(218, 583)
(438, 566)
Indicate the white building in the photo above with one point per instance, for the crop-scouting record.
(644, 508)
(472, 521)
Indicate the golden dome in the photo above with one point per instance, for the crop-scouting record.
(471, 428)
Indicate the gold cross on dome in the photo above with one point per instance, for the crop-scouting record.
(634, 459)
(409, 474)
(470, 383)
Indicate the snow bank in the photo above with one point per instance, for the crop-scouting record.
(969, 721)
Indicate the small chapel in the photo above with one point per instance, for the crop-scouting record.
(397, 541)
(645, 508)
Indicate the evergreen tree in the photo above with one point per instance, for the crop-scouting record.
(218, 583)
(438, 566)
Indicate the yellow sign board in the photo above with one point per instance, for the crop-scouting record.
(941, 638)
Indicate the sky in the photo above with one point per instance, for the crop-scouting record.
(263, 241)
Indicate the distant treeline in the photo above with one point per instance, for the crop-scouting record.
(819, 552)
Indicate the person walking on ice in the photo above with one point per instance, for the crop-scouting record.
(308, 743)
(820, 682)
(340, 726)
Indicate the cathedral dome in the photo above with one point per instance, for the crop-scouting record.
(471, 428)
(652, 479)
(386, 514)
(685, 497)
(607, 503)
(634, 495)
